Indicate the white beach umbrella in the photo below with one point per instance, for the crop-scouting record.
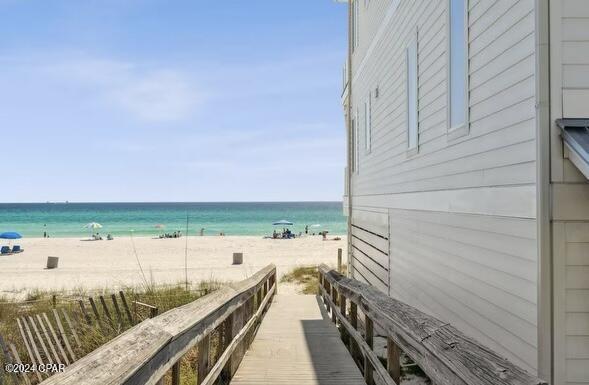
(93, 226)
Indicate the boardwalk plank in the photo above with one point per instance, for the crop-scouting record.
(296, 344)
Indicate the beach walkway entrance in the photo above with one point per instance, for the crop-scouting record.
(246, 333)
(297, 344)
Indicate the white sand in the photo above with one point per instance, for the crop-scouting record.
(112, 264)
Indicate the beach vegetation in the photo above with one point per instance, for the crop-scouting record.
(94, 331)
(304, 276)
(307, 277)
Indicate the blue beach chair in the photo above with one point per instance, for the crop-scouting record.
(17, 249)
(5, 250)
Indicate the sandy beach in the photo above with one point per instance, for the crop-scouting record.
(85, 264)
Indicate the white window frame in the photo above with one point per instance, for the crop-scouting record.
(368, 123)
(412, 132)
(353, 144)
(357, 153)
(353, 26)
(464, 128)
(356, 23)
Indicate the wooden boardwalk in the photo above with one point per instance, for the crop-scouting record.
(297, 344)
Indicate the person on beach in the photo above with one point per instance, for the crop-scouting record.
(306, 229)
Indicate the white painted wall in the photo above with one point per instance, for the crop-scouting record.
(458, 215)
(570, 193)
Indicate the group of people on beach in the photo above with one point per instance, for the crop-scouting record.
(175, 234)
(285, 234)
(98, 237)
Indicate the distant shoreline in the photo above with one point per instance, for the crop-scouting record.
(148, 219)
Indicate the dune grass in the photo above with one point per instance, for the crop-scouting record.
(307, 277)
(96, 333)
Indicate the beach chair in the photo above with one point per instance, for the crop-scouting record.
(5, 250)
(17, 249)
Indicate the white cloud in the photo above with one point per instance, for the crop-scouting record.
(158, 96)
(148, 94)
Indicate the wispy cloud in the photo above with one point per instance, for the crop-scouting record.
(151, 94)
(159, 96)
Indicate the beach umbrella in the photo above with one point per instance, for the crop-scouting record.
(316, 225)
(283, 222)
(93, 226)
(10, 235)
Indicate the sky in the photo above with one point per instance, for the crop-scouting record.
(158, 100)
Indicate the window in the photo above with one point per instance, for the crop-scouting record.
(412, 95)
(356, 23)
(368, 123)
(353, 27)
(353, 145)
(458, 66)
(357, 142)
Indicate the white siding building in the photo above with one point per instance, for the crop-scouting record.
(462, 197)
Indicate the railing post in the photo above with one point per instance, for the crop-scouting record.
(394, 360)
(176, 373)
(203, 359)
(339, 260)
(259, 298)
(334, 299)
(342, 309)
(328, 290)
(354, 322)
(238, 322)
(250, 313)
(369, 338)
(226, 340)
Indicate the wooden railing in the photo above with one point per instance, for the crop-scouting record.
(446, 355)
(146, 352)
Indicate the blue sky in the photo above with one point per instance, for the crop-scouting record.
(153, 100)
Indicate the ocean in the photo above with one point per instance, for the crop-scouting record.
(124, 219)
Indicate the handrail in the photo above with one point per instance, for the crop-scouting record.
(146, 352)
(445, 354)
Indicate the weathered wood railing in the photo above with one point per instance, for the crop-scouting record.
(146, 352)
(446, 355)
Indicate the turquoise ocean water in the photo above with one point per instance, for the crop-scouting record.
(68, 219)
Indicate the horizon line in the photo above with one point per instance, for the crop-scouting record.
(86, 202)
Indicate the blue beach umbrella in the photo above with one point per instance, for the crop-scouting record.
(283, 222)
(10, 235)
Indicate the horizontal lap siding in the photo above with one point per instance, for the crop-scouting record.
(575, 44)
(370, 249)
(475, 271)
(481, 277)
(500, 149)
(576, 305)
(571, 207)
